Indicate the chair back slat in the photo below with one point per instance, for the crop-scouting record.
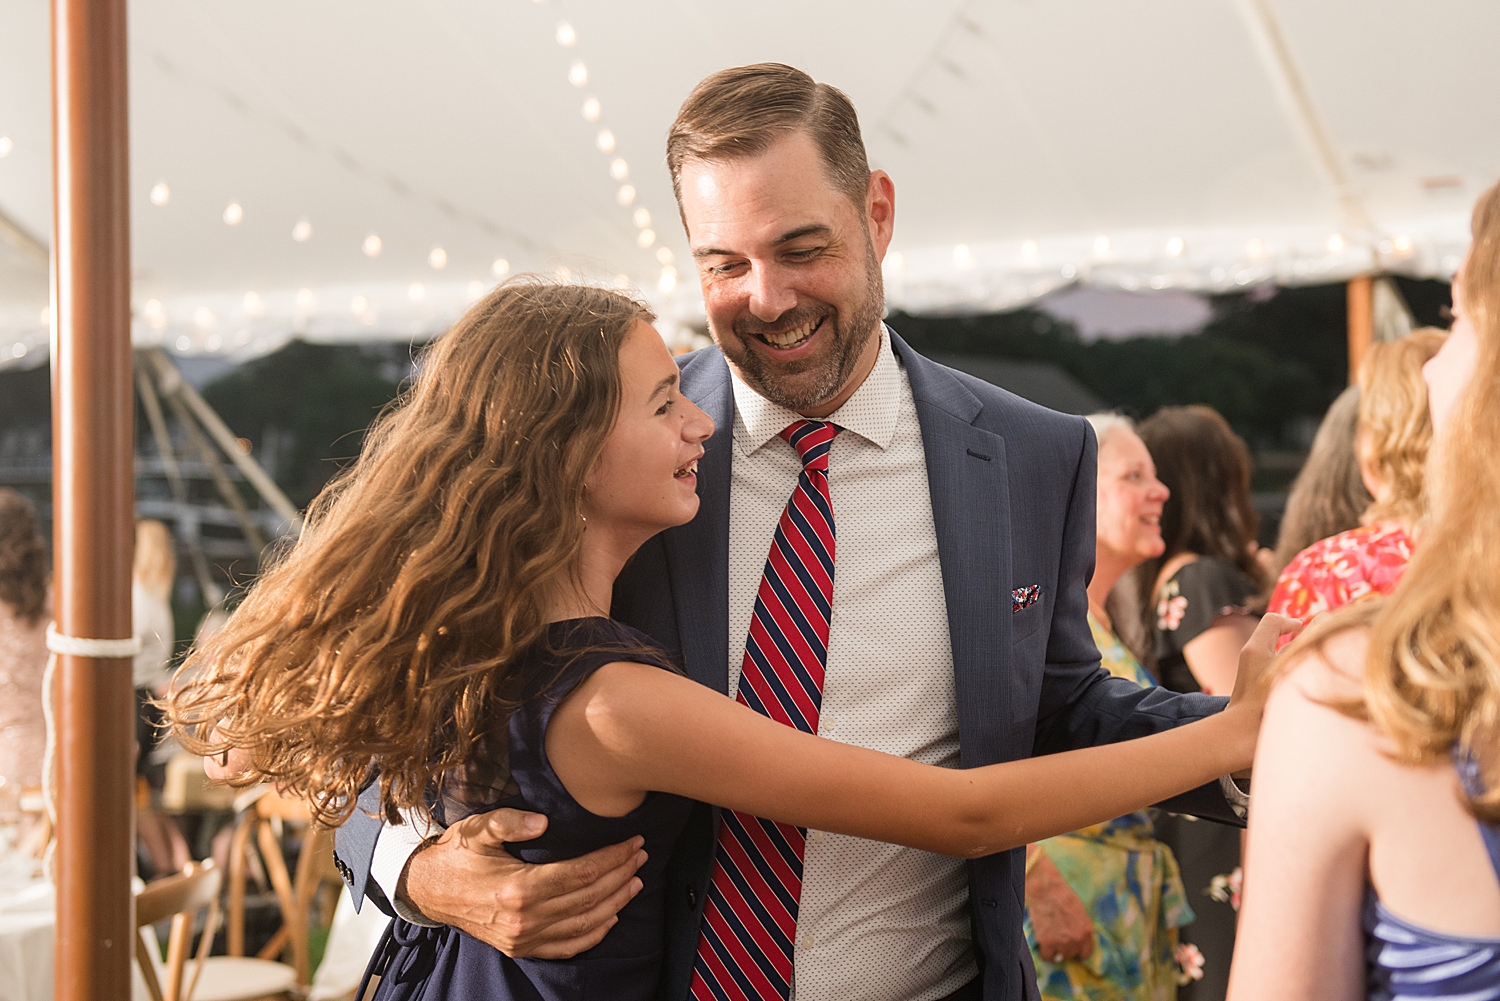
(178, 898)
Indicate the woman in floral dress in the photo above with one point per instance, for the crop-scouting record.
(1124, 878)
(1394, 433)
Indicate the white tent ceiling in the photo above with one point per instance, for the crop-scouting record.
(1126, 143)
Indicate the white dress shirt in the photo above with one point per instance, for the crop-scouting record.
(877, 922)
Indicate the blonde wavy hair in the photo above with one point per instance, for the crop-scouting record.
(1432, 674)
(387, 638)
(1395, 428)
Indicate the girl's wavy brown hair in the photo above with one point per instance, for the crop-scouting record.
(1432, 674)
(387, 638)
(1395, 428)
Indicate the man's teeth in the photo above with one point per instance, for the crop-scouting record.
(689, 470)
(793, 337)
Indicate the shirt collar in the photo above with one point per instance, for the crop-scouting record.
(872, 412)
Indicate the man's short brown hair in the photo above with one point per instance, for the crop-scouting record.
(740, 112)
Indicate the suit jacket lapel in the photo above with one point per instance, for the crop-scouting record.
(698, 552)
(966, 473)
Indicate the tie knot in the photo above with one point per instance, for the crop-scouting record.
(811, 440)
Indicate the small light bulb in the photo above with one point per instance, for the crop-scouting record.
(642, 218)
(566, 36)
(578, 74)
(233, 214)
(437, 259)
(305, 298)
(359, 304)
(664, 255)
(619, 169)
(253, 305)
(1176, 246)
(183, 343)
(302, 232)
(1402, 244)
(46, 316)
(415, 291)
(1255, 249)
(668, 280)
(371, 246)
(19, 351)
(1335, 243)
(962, 255)
(1029, 249)
(500, 267)
(646, 237)
(591, 110)
(475, 289)
(203, 316)
(160, 193)
(5, 147)
(622, 281)
(605, 140)
(1101, 245)
(895, 260)
(625, 195)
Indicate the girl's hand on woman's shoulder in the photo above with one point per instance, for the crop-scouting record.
(1252, 683)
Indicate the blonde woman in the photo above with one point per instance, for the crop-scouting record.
(1374, 848)
(1394, 432)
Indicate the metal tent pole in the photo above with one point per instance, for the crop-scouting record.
(92, 414)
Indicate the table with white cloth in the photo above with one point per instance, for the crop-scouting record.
(28, 920)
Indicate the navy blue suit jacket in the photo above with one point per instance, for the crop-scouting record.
(1012, 488)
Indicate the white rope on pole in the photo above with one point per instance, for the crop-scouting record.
(69, 646)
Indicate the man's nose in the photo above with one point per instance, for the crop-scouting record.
(770, 294)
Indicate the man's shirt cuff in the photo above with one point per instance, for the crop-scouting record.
(393, 853)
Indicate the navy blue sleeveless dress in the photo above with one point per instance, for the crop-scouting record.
(1409, 961)
(443, 964)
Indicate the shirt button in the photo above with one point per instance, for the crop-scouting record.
(692, 896)
(817, 835)
(807, 941)
(829, 723)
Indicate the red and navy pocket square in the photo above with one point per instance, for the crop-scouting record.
(1024, 597)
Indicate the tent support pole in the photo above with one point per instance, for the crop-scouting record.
(1361, 322)
(93, 487)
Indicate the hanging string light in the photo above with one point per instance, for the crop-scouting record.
(160, 194)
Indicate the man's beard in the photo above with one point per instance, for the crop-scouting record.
(832, 369)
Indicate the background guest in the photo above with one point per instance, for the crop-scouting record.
(153, 574)
(25, 609)
(1394, 433)
(1329, 495)
(1104, 903)
(1198, 597)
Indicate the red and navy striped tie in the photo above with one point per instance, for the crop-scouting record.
(750, 917)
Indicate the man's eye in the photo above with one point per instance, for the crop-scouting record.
(664, 407)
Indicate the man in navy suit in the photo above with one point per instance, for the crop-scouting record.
(965, 528)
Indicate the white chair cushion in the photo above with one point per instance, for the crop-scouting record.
(240, 978)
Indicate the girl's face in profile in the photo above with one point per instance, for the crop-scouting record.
(646, 478)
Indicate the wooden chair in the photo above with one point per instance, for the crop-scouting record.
(213, 978)
(259, 830)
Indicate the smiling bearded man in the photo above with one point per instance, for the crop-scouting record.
(951, 622)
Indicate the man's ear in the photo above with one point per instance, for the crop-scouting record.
(880, 211)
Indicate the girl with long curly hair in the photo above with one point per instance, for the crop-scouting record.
(443, 624)
(1367, 874)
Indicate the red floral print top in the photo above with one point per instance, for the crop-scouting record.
(1361, 563)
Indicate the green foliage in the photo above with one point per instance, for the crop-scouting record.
(1270, 360)
(316, 399)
